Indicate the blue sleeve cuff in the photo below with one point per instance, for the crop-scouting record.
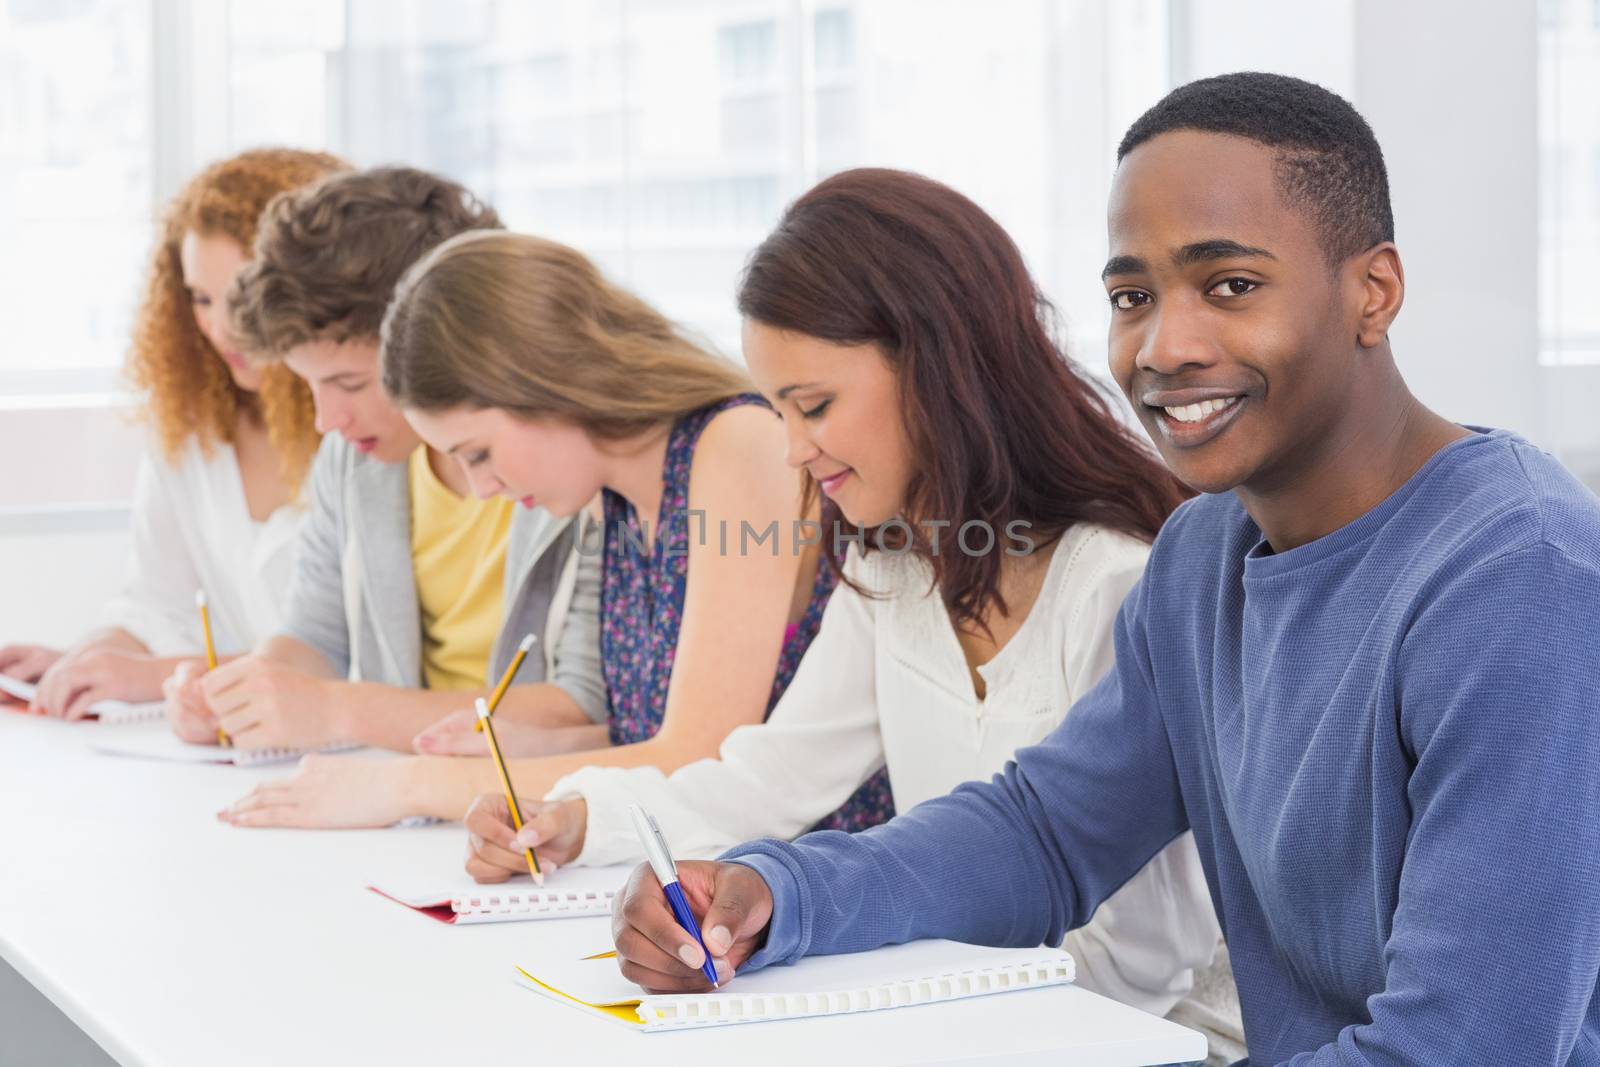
(788, 934)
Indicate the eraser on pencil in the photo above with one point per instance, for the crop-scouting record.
(200, 598)
(483, 708)
(527, 642)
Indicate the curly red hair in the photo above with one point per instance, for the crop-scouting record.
(188, 389)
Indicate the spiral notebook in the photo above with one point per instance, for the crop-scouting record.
(116, 712)
(922, 972)
(160, 743)
(567, 892)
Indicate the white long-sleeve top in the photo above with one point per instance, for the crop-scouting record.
(192, 530)
(887, 683)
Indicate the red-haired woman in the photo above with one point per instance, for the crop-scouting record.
(1003, 513)
(216, 501)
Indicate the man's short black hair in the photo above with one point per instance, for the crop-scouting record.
(1329, 163)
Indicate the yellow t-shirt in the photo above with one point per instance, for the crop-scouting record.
(458, 554)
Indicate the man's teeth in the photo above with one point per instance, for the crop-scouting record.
(1202, 410)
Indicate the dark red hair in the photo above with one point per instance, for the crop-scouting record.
(1002, 424)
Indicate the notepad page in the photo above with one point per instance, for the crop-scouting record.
(896, 976)
(156, 742)
(122, 713)
(254, 757)
(567, 891)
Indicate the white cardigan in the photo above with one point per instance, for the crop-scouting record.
(886, 682)
(192, 530)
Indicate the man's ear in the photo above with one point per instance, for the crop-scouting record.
(1380, 281)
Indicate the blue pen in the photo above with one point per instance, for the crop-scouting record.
(655, 849)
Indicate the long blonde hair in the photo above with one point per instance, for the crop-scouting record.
(530, 326)
(187, 389)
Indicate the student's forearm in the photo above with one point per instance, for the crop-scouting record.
(390, 717)
(1004, 862)
(537, 776)
(545, 704)
(167, 664)
(112, 637)
(159, 667)
(560, 740)
(139, 675)
(293, 652)
(957, 867)
(444, 787)
(1017, 860)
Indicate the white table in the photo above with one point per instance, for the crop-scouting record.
(173, 940)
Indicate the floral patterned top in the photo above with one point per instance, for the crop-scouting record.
(641, 609)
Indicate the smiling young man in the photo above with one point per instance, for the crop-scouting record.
(410, 595)
(1359, 669)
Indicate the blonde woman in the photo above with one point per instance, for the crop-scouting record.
(552, 386)
(216, 500)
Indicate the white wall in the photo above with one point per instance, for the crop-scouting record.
(54, 581)
(66, 451)
(1570, 408)
(1449, 87)
(1451, 91)
(71, 470)
(1311, 40)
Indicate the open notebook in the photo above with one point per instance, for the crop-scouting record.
(109, 711)
(160, 743)
(567, 892)
(922, 972)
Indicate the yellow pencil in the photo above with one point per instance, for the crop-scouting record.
(211, 654)
(511, 794)
(505, 679)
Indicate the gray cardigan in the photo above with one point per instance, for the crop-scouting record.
(353, 597)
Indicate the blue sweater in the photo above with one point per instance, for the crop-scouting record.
(1386, 742)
